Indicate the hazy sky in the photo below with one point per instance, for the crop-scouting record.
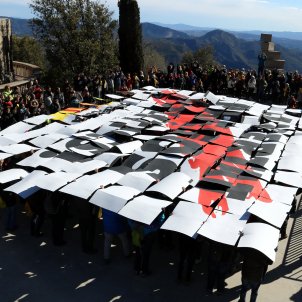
(279, 15)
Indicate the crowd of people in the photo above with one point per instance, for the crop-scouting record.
(267, 86)
(263, 86)
(222, 260)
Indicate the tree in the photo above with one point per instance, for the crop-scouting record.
(77, 35)
(204, 56)
(130, 37)
(28, 50)
(153, 58)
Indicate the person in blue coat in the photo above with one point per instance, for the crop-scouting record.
(115, 225)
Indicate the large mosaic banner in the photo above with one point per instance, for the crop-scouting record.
(212, 161)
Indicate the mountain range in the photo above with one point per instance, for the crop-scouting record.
(201, 30)
(20, 27)
(235, 49)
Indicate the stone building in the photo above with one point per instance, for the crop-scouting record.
(274, 60)
(6, 60)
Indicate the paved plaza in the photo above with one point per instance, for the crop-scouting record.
(32, 269)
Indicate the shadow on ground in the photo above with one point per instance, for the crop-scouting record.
(32, 269)
(291, 267)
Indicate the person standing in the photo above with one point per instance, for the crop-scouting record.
(261, 63)
(48, 99)
(97, 86)
(59, 95)
(188, 249)
(286, 94)
(137, 235)
(254, 268)
(36, 203)
(143, 237)
(219, 264)
(275, 85)
(57, 205)
(88, 214)
(114, 225)
(10, 200)
(251, 87)
(261, 88)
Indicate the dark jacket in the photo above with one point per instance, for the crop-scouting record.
(254, 266)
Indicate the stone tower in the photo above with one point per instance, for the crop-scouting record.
(6, 60)
(273, 57)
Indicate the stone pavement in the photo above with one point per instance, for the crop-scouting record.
(32, 269)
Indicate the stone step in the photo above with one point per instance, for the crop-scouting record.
(275, 64)
(273, 55)
(266, 38)
(267, 46)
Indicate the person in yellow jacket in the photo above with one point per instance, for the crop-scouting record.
(7, 93)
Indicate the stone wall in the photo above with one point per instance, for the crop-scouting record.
(274, 60)
(6, 60)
